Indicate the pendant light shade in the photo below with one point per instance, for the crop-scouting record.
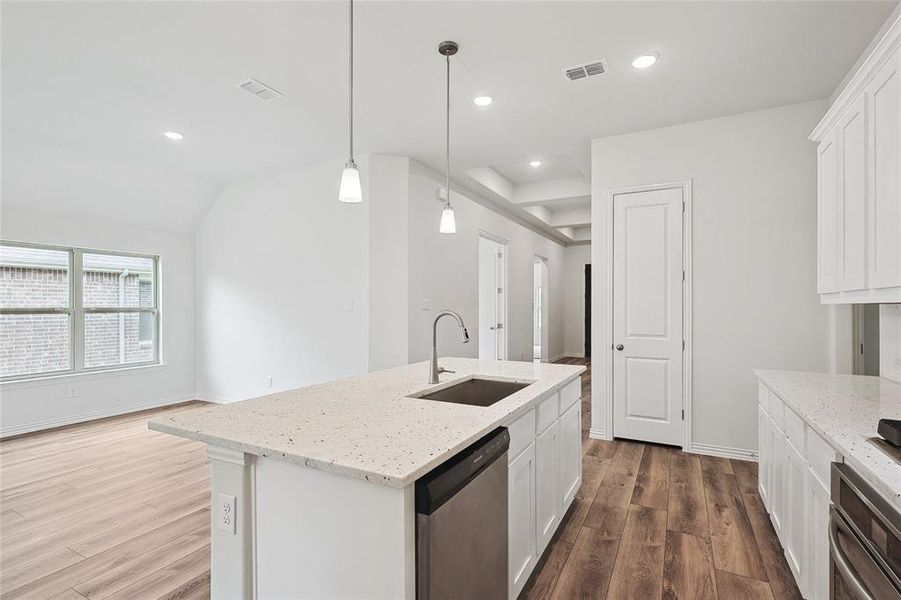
(448, 222)
(351, 191)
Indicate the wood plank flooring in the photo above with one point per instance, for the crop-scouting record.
(651, 522)
(109, 509)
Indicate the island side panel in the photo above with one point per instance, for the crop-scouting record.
(322, 535)
(231, 561)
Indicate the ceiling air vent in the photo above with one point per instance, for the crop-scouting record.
(597, 67)
(259, 90)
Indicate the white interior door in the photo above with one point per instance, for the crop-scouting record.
(539, 310)
(492, 299)
(647, 315)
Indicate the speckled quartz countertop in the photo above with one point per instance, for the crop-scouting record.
(368, 427)
(845, 410)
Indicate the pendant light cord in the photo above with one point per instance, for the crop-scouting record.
(350, 86)
(447, 136)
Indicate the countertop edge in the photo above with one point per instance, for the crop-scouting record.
(362, 474)
(864, 470)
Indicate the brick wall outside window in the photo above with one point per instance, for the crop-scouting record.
(40, 343)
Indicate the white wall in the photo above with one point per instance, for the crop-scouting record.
(890, 341)
(576, 257)
(28, 406)
(444, 273)
(754, 219)
(281, 285)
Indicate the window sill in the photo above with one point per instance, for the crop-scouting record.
(83, 376)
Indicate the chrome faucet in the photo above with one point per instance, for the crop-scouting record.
(435, 369)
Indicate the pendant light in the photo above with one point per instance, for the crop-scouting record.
(350, 191)
(448, 224)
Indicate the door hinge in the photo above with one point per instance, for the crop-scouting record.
(683, 274)
(861, 347)
(683, 345)
(683, 206)
(500, 255)
(500, 290)
(683, 414)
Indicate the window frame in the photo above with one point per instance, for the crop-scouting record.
(77, 311)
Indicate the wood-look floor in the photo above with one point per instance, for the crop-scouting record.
(654, 522)
(110, 509)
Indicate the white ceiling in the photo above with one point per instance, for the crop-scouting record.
(552, 167)
(104, 79)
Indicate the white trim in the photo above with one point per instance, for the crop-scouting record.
(890, 295)
(722, 451)
(559, 356)
(597, 434)
(685, 186)
(883, 50)
(227, 455)
(17, 384)
(91, 416)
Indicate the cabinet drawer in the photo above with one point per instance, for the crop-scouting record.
(820, 455)
(763, 396)
(547, 413)
(570, 394)
(522, 433)
(777, 411)
(794, 428)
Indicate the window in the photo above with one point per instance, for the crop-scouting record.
(70, 310)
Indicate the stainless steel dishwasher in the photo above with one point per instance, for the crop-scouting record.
(461, 524)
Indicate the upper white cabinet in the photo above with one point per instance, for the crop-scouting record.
(859, 184)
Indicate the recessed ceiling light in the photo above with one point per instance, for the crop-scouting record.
(534, 163)
(483, 99)
(643, 61)
(174, 136)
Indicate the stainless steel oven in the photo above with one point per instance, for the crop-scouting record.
(864, 541)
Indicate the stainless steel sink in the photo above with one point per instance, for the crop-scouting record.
(474, 391)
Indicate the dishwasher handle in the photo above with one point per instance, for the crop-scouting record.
(841, 561)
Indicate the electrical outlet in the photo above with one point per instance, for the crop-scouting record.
(269, 381)
(72, 391)
(227, 514)
(349, 304)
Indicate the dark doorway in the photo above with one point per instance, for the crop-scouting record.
(587, 311)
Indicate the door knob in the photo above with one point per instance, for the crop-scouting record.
(619, 347)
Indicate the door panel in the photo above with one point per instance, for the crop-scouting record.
(521, 534)
(827, 217)
(570, 454)
(547, 485)
(853, 230)
(492, 299)
(884, 206)
(647, 315)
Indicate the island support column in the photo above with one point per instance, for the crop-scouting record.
(232, 553)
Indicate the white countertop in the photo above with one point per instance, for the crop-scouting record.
(367, 426)
(845, 410)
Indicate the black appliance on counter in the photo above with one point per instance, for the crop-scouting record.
(864, 541)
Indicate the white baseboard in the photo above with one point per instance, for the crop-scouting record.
(597, 434)
(722, 451)
(90, 416)
(567, 355)
(215, 399)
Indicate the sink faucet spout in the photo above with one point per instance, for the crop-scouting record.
(434, 369)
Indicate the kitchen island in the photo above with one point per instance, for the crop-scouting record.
(313, 488)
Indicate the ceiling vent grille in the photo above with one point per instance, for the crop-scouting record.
(258, 89)
(576, 72)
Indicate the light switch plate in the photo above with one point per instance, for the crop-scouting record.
(227, 513)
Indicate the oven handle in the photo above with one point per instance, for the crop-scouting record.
(841, 561)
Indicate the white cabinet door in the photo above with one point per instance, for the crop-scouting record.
(777, 481)
(547, 484)
(852, 197)
(827, 216)
(570, 455)
(817, 506)
(764, 451)
(884, 178)
(796, 514)
(521, 520)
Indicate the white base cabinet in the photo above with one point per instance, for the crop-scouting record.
(793, 479)
(544, 474)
